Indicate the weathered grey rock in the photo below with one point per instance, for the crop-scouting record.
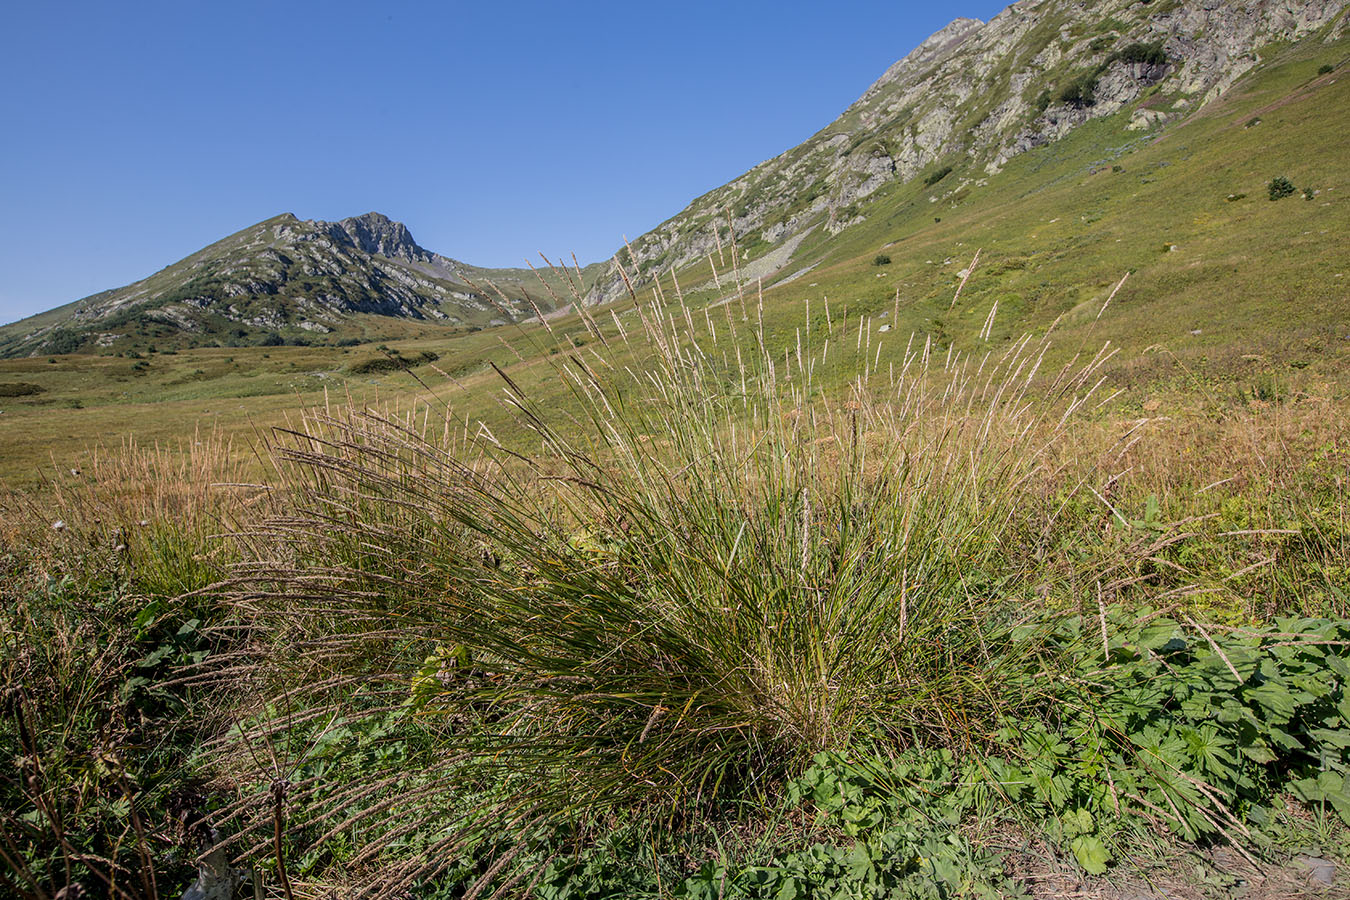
(216, 878)
(1321, 872)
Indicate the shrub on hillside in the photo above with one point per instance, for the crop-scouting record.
(393, 361)
(937, 176)
(378, 365)
(63, 340)
(20, 389)
(1150, 53)
(1101, 43)
(1280, 187)
(1080, 92)
(881, 259)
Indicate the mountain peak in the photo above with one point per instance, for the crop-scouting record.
(282, 278)
(376, 233)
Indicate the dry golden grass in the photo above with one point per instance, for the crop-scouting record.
(132, 495)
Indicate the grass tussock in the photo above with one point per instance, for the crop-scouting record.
(678, 594)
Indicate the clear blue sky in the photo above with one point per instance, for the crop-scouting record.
(135, 133)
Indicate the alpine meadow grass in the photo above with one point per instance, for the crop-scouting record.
(103, 604)
(679, 592)
(709, 609)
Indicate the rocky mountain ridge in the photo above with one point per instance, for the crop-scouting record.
(964, 102)
(281, 278)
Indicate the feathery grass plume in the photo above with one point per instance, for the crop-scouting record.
(674, 593)
(965, 276)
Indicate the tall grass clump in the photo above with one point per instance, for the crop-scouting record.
(679, 589)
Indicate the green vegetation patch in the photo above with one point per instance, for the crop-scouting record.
(937, 176)
(393, 361)
(1150, 53)
(1280, 187)
(1204, 732)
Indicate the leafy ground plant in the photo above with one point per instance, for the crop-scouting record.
(1161, 733)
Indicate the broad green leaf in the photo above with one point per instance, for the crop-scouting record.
(1338, 738)
(1285, 739)
(1091, 854)
(1078, 821)
(1275, 699)
(1260, 753)
(1159, 634)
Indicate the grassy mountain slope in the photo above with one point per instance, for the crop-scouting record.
(1218, 274)
(287, 280)
(967, 101)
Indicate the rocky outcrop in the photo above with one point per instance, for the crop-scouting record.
(377, 234)
(974, 95)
